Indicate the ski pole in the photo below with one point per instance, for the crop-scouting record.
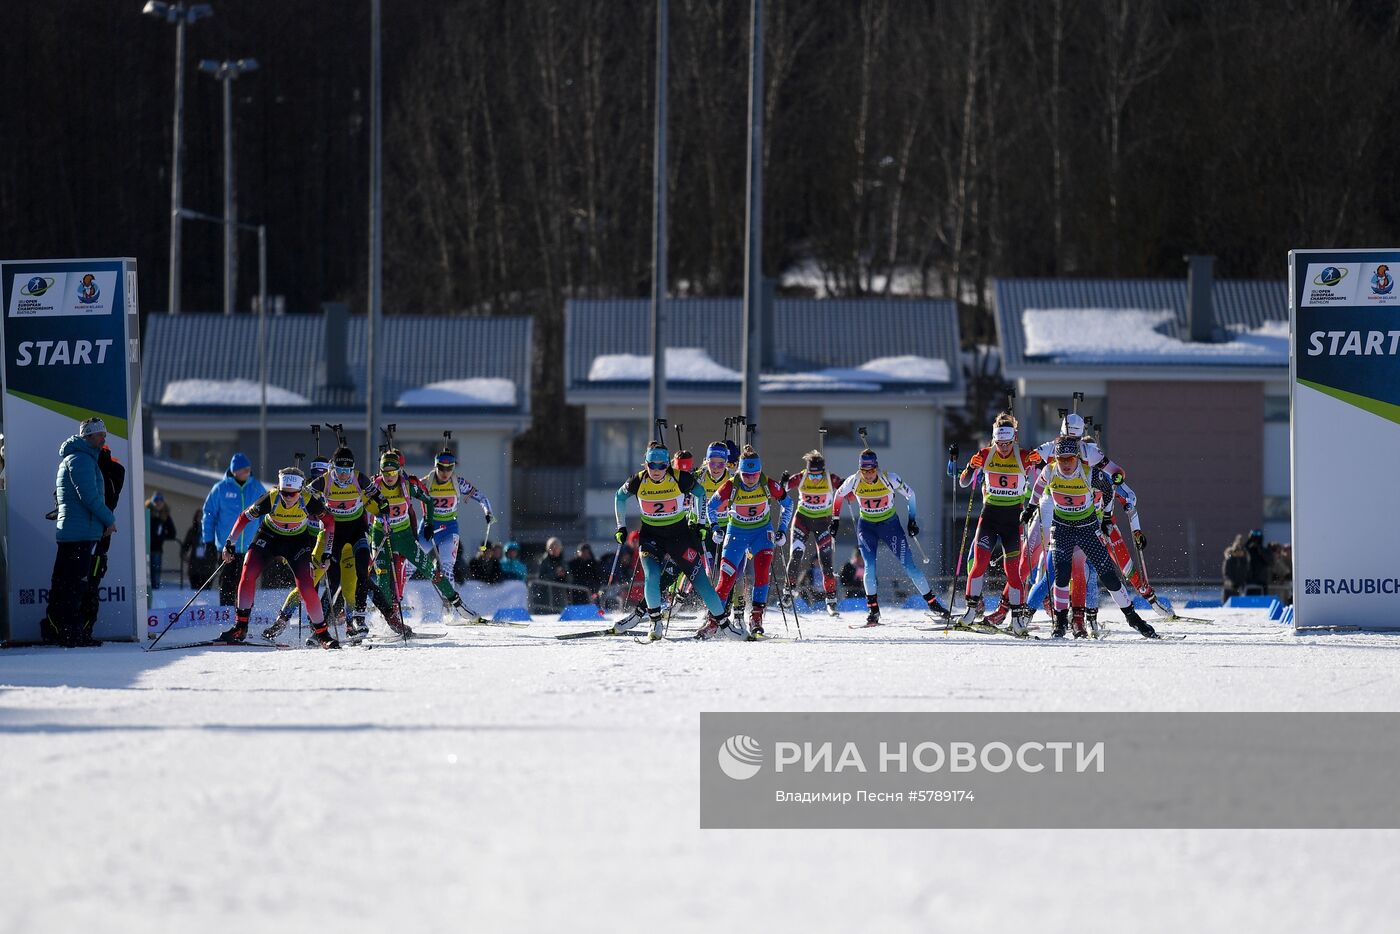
(922, 553)
(611, 574)
(958, 557)
(174, 616)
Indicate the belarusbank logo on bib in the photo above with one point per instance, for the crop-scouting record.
(1331, 284)
(62, 295)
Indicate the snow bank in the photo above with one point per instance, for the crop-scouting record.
(871, 376)
(693, 364)
(1135, 335)
(683, 364)
(226, 392)
(462, 392)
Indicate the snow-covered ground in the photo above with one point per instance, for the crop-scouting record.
(501, 779)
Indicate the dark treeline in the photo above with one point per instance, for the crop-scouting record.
(950, 142)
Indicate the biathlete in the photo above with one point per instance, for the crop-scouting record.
(401, 541)
(1006, 471)
(815, 491)
(873, 491)
(440, 527)
(745, 500)
(1077, 524)
(661, 491)
(284, 531)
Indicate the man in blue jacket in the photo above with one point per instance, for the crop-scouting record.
(83, 521)
(226, 501)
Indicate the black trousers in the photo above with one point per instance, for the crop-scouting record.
(72, 571)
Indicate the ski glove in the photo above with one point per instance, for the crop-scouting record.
(490, 518)
(229, 552)
(835, 526)
(1028, 513)
(913, 528)
(783, 480)
(953, 459)
(1117, 478)
(620, 534)
(1139, 539)
(1106, 526)
(780, 538)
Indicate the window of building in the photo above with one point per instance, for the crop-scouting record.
(615, 449)
(1275, 408)
(846, 434)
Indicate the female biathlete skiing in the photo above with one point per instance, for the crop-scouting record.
(873, 491)
(1006, 472)
(749, 530)
(283, 532)
(661, 493)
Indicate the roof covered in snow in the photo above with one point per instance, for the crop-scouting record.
(1141, 323)
(841, 346)
(194, 362)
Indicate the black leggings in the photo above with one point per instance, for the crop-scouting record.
(1086, 539)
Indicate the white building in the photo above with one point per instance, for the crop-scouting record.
(891, 366)
(467, 375)
(1187, 381)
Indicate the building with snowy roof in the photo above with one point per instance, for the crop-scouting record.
(467, 375)
(891, 365)
(1187, 383)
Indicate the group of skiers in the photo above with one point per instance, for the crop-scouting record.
(701, 528)
(715, 520)
(358, 535)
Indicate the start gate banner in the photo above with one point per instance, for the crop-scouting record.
(71, 344)
(1344, 309)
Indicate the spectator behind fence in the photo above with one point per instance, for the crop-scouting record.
(512, 568)
(584, 570)
(1234, 571)
(1259, 563)
(853, 576)
(226, 501)
(160, 528)
(552, 567)
(196, 561)
(486, 566)
(84, 519)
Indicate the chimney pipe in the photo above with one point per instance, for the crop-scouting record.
(337, 369)
(1200, 313)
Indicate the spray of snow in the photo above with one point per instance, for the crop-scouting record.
(480, 391)
(1135, 335)
(226, 392)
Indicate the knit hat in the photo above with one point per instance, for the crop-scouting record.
(91, 426)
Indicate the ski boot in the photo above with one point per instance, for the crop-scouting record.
(658, 625)
(321, 636)
(831, 609)
(974, 610)
(997, 616)
(1076, 622)
(399, 627)
(872, 615)
(279, 626)
(460, 608)
(1061, 624)
(710, 628)
(356, 630)
(756, 623)
(936, 607)
(786, 600)
(1091, 615)
(628, 622)
(1020, 620)
(238, 631)
(1143, 628)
